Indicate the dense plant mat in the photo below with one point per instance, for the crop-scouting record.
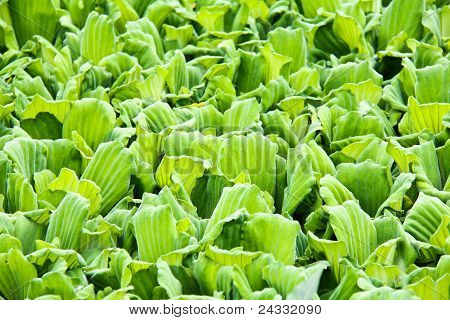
(230, 149)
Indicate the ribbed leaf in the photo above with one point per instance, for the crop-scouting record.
(28, 155)
(271, 234)
(113, 179)
(333, 252)
(15, 275)
(426, 116)
(183, 170)
(310, 7)
(20, 196)
(300, 179)
(354, 227)
(33, 18)
(333, 192)
(398, 17)
(68, 181)
(68, 220)
(98, 39)
(424, 218)
(241, 115)
(177, 76)
(157, 117)
(155, 229)
(39, 105)
(92, 119)
(254, 153)
(369, 182)
(290, 43)
(351, 73)
(286, 278)
(240, 196)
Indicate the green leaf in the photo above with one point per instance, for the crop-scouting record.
(177, 76)
(369, 182)
(351, 73)
(348, 29)
(8, 38)
(290, 43)
(29, 227)
(355, 228)
(8, 242)
(384, 293)
(250, 74)
(240, 196)
(253, 153)
(398, 17)
(399, 189)
(287, 279)
(276, 64)
(30, 19)
(177, 38)
(320, 162)
(40, 105)
(307, 290)
(438, 91)
(16, 273)
(271, 234)
(333, 192)
(333, 251)
(354, 124)
(300, 179)
(156, 117)
(212, 17)
(68, 181)
(276, 122)
(305, 78)
(149, 224)
(98, 38)
(92, 119)
(122, 11)
(213, 261)
(424, 218)
(426, 116)
(183, 170)
(20, 196)
(241, 115)
(113, 179)
(441, 235)
(310, 7)
(167, 280)
(364, 91)
(28, 155)
(429, 289)
(427, 168)
(63, 153)
(68, 220)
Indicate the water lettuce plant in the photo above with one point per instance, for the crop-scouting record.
(226, 149)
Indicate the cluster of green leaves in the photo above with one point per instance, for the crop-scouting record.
(224, 149)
